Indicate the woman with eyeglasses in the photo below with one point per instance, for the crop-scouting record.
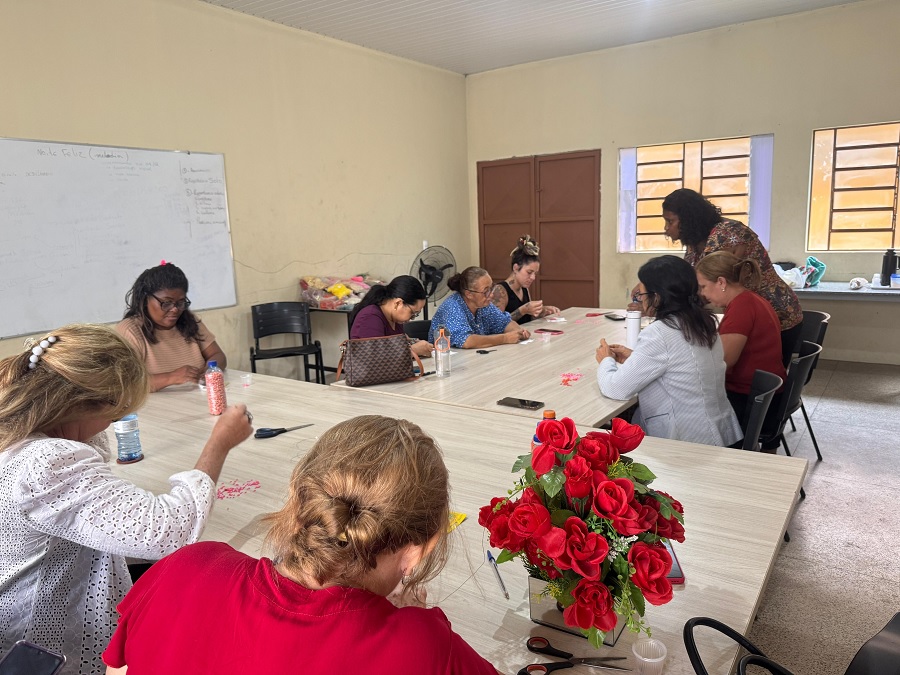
(173, 341)
(385, 309)
(469, 316)
(677, 369)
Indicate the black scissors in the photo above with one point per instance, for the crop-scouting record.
(540, 645)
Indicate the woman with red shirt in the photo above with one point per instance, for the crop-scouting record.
(750, 330)
(364, 526)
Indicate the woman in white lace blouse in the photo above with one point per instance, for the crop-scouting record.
(66, 522)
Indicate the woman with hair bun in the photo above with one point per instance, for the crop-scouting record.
(677, 369)
(469, 316)
(67, 521)
(385, 309)
(512, 295)
(750, 330)
(366, 517)
(172, 340)
(698, 224)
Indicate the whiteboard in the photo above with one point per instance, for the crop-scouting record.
(79, 223)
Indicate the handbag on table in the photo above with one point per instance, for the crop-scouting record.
(377, 360)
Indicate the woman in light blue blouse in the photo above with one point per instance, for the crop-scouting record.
(469, 316)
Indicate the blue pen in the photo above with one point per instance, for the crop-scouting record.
(497, 574)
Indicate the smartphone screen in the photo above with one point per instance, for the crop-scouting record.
(28, 659)
(676, 575)
(615, 317)
(516, 403)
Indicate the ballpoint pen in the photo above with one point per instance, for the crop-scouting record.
(493, 563)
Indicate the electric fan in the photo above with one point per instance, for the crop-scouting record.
(433, 267)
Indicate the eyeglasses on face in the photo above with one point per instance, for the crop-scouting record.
(412, 312)
(637, 296)
(486, 292)
(166, 305)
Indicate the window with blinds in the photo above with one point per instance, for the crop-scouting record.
(854, 187)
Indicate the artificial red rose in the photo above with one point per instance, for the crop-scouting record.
(579, 477)
(530, 521)
(611, 497)
(669, 528)
(624, 436)
(593, 606)
(652, 563)
(595, 447)
(552, 542)
(635, 519)
(539, 559)
(584, 551)
(543, 458)
(529, 496)
(502, 537)
(486, 514)
(558, 433)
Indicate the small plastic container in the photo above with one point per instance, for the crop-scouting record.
(246, 379)
(215, 389)
(649, 656)
(895, 281)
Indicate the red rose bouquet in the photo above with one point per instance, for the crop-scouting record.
(584, 519)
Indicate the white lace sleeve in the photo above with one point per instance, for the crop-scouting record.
(68, 491)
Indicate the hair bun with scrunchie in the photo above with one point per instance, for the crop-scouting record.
(527, 245)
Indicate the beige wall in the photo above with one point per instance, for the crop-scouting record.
(784, 76)
(338, 159)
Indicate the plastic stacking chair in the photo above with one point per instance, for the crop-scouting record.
(417, 329)
(278, 318)
(797, 376)
(762, 390)
(814, 326)
(879, 656)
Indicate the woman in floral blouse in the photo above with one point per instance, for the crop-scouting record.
(698, 224)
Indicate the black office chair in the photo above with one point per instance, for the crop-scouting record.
(417, 329)
(762, 390)
(813, 330)
(276, 318)
(880, 655)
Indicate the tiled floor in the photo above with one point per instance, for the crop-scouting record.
(837, 582)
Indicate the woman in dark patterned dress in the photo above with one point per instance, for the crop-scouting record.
(698, 224)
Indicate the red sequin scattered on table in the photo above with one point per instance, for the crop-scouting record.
(234, 489)
(566, 379)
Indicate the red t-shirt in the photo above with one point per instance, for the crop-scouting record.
(210, 609)
(750, 315)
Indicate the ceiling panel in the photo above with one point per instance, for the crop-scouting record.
(472, 36)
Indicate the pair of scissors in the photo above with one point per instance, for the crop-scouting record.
(540, 645)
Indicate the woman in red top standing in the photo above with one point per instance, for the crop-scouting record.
(750, 330)
(698, 224)
(366, 518)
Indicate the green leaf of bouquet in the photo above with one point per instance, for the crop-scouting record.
(622, 567)
(505, 556)
(637, 599)
(595, 637)
(552, 481)
(640, 488)
(641, 472)
(521, 462)
(560, 516)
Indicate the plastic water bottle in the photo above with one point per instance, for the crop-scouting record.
(129, 439)
(215, 388)
(632, 328)
(442, 355)
(548, 415)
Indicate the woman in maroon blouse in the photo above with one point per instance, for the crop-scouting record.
(385, 309)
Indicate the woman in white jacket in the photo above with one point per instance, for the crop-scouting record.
(677, 368)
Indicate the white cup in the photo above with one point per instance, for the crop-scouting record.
(246, 379)
(649, 656)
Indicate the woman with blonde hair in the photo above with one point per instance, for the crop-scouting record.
(750, 330)
(366, 516)
(66, 522)
(512, 295)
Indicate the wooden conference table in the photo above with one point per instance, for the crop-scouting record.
(558, 370)
(737, 505)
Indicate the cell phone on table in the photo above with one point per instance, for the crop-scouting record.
(615, 317)
(28, 659)
(523, 403)
(549, 331)
(676, 575)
